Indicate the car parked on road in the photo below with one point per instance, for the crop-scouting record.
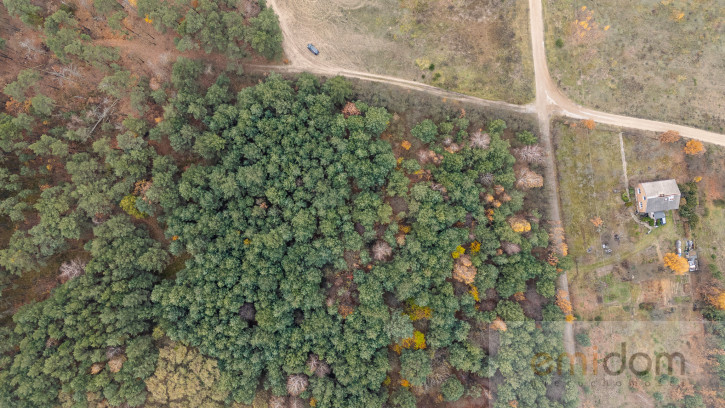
(313, 49)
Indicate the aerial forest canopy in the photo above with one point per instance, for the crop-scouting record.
(312, 246)
(212, 25)
(324, 265)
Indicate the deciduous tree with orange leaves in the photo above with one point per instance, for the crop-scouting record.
(589, 124)
(677, 263)
(670, 136)
(597, 221)
(694, 147)
(563, 302)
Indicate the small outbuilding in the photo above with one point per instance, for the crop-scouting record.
(656, 197)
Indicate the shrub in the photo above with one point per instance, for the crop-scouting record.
(426, 131)
(527, 138)
(403, 398)
(128, 204)
(415, 366)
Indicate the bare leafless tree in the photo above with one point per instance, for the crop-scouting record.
(526, 178)
(423, 156)
(531, 154)
(480, 140)
(441, 372)
(112, 352)
(277, 402)
(510, 248)
(106, 111)
(31, 50)
(381, 251)
(317, 366)
(486, 179)
(67, 73)
(296, 402)
(71, 269)
(247, 312)
(296, 384)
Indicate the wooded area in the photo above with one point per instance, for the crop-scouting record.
(297, 251)
(207, 242)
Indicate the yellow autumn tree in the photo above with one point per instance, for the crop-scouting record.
(184, 377)
(717, 298)
(519, 225)
(458, 252)
(677, 263)
(416, 312)
(128, 204)
(694, 147)
(416, 342)
(474, 293)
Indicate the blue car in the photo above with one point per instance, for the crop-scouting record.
(313, 49)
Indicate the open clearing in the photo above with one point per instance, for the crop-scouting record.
(651, 59)
(648, 339)
(479, 48)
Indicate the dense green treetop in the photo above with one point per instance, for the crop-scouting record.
(101, 316)
(285, 213)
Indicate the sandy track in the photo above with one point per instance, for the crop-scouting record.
(549, 99)
(552, 100)
(302, 60)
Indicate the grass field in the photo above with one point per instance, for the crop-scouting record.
(656, 59)
(711, 250)
(591, 180)
(476, 47)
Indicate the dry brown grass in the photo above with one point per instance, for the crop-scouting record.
(477, 47)
(653, 59)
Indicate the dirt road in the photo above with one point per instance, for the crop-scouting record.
(302, 60)
(552, 101)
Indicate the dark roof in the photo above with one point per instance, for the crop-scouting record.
(661, 204)
(659, 214)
